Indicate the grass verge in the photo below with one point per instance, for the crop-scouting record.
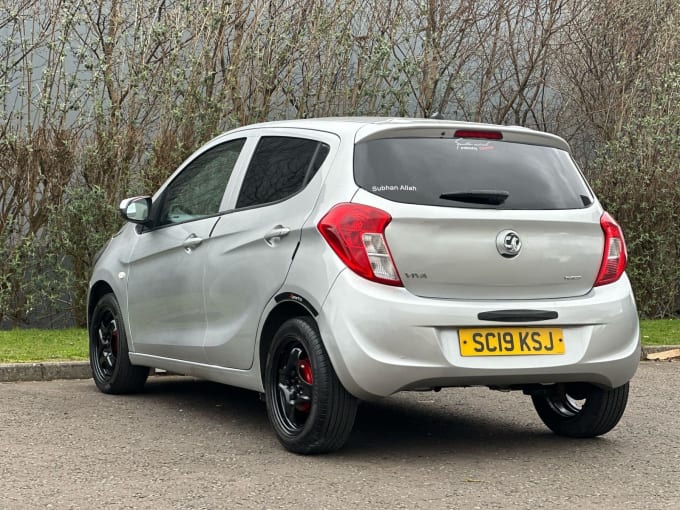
(26, 345)
(30, 345)
(660, 332)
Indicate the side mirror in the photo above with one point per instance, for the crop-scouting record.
(136, 209)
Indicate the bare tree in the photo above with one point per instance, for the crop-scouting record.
(612, 46)
(105, 98)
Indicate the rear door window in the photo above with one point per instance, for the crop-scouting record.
(280, 167)
(470, 173)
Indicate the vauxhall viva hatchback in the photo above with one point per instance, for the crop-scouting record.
(324, 261)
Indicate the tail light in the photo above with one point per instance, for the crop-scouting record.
(614, 258)
(356, 233)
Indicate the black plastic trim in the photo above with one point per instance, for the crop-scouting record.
(517, 315)
(291, 296)
(295, 250)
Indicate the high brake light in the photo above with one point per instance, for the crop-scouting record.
(614, 258)
(485, 135)
(356, 233)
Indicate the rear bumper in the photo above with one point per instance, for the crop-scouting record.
(384, 339)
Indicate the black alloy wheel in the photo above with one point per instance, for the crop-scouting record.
(109, 357)
(293, 401)
(106, 346)
(309, 409)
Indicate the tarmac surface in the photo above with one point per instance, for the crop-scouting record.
(191, 444)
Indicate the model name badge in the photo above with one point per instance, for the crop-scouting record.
(416, 275)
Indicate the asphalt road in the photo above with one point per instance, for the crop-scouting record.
(192, 444)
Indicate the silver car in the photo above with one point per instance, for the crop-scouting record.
(324, 261)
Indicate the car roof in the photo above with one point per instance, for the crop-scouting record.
(370, 128)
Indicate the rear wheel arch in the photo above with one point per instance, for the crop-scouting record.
(277, 316)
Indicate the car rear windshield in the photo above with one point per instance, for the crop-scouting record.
(470, 173)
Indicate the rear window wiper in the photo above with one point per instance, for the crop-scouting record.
(478, 196)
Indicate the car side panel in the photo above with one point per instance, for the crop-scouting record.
(244, 271)
(165, 289)
(111, 268)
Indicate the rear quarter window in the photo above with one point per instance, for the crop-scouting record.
(421, 170)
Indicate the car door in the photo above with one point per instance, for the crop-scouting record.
(252, 247)
(165, 275)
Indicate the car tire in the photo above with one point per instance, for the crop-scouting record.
(309, 409)
(109, 360)
(581, 410)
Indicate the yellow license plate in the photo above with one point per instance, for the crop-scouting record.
(510, 341)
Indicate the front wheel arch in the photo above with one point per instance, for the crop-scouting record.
(97, 291)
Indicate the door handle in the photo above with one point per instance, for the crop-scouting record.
(274, 235)
(191, 242)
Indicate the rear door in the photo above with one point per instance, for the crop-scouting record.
(252, 247)
(483, 219)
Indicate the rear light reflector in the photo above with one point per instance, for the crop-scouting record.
(356, 233)
(379, 257)
(615, 257)
(486, 135)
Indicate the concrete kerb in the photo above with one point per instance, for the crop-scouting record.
(51, 370)
(44, 371)
(657, 349)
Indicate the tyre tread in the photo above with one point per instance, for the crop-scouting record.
(126, 377)
(335, 413)
(601, 413)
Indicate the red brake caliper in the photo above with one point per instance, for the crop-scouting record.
(305, 368)
(305, 371)
(114, 342)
